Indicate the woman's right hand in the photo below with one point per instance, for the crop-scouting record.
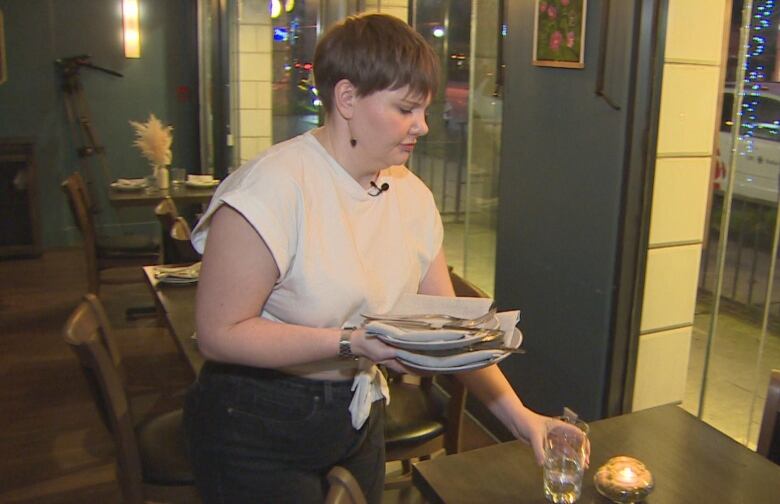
(372, 348)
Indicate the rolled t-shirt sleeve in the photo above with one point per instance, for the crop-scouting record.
(269, 199)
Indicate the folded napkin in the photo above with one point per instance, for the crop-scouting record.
(449, 361)
(200, 179)
(507, 321)
(463, 307)
(369, 385)
(189, 272)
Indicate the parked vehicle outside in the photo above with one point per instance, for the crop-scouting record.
(757, 174)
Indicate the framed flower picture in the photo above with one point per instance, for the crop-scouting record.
(559, 33)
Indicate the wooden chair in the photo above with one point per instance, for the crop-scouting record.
(769, 435)
(344, 488)
(425, 418)
(152, 456)
(176, 233)
(106, 254)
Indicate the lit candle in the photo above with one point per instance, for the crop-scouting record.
(624, 479)
(626, 475)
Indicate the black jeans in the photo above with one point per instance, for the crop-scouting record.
(258, 435)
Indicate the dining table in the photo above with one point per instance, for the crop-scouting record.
(691, 463)
(176, 305)
(183, 195)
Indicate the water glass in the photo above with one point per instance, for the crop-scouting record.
(564, 461)
(178, 176)
(150, 182)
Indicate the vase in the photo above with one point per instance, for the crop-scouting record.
(162, 175)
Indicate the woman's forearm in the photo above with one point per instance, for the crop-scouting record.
(491, 388)
(265, 343)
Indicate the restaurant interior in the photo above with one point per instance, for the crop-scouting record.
(624, 197)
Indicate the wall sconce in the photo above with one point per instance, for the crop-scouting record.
(131, 28)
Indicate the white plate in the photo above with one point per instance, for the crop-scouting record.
(456, 369)
(430, 345)
(201, 185)
(177, 280)
(127, 187)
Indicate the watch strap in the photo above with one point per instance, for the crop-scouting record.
(345, 344)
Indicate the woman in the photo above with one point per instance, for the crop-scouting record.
(302, 240)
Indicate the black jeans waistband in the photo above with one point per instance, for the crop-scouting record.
(211, 368)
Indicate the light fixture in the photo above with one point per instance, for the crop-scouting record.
(131, 28)
(275, 8)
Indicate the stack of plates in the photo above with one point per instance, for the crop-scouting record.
(128, 184)
(449, 349)
(178, 274)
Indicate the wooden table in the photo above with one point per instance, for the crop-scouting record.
(184, 195)
(691, 462)
(176, 303)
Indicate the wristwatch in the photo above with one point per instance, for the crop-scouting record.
(345, 346)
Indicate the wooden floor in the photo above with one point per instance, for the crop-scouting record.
(54, 447)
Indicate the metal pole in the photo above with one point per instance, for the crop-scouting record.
(736, 109)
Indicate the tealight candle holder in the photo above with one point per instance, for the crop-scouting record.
(624, 480)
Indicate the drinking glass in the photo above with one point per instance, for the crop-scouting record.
(178, 176)
(151, 184)
(564, 461)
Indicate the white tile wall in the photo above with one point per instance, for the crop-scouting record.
(661, 367)
(249, 94)
(254, 123)
(253, 11)
(400, 12)
(679, 200)
(397, 8)
(692, 33)
(689, 97)
(255, 72)
(670, 287)
(254, 66)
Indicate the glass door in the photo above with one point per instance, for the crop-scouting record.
(736, 339)
(459, 158)
(257, 89)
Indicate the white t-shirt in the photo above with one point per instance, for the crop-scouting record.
(340, 251)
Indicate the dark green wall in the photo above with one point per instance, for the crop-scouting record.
(37, 32)
(567, 161)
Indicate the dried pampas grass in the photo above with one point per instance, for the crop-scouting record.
(154, 140)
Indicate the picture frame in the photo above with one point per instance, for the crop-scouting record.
(3, 67)
(559, 33)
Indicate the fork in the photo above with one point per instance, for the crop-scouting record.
(456, 322)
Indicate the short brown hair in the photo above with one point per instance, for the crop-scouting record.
(374, 52)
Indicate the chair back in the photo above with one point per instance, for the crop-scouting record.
(86, 335)
(423, 418)
(181, 235)
(344, 488)
(75, 192)
(177, 247)
(769, 434)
